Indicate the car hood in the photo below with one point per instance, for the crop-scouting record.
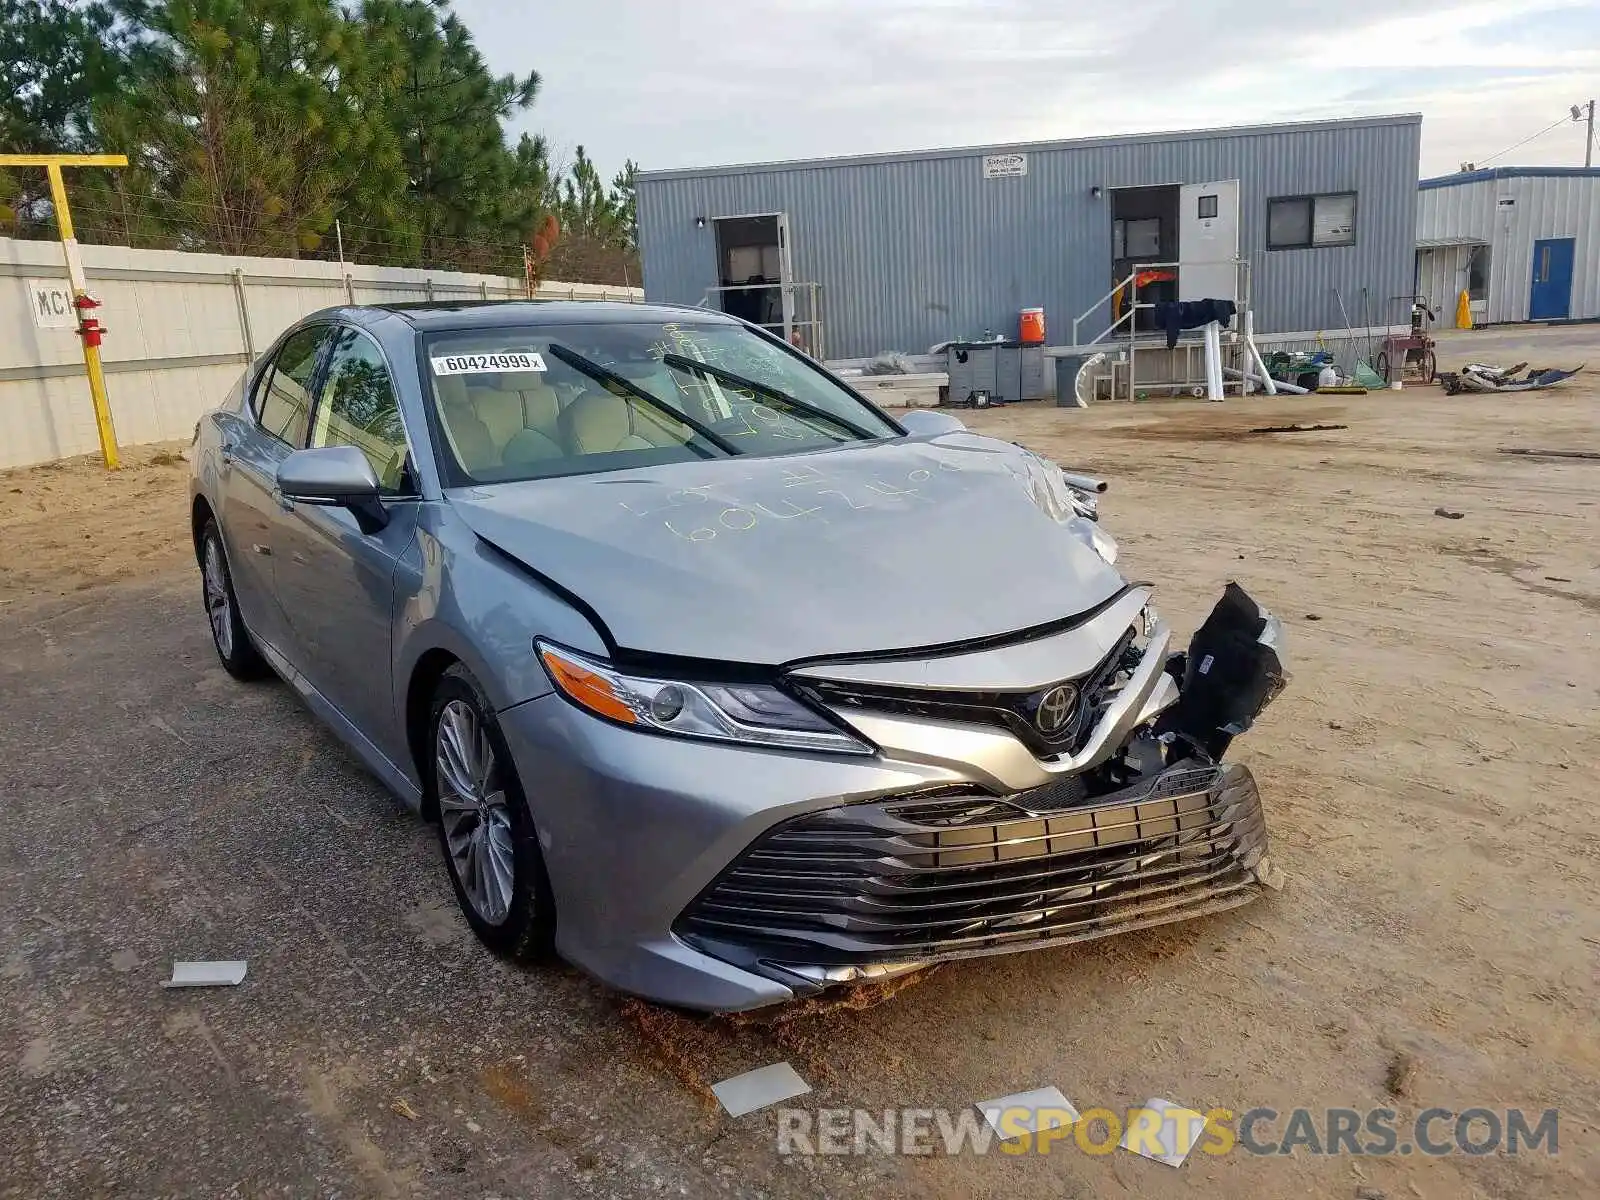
(895, 545)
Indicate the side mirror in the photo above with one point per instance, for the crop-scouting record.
(336, 477)
(928, 422)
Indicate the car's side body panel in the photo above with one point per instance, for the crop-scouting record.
(336, 587)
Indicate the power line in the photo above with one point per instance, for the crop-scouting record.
(1526, 140)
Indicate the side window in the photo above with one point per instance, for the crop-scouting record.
(258, 393)
(357, 407)
(284, 403)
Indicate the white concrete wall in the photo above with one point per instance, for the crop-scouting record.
(176, 335)
(1511, 214)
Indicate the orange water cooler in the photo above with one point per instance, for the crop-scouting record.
(1031, 322)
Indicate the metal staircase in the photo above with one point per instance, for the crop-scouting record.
(1110, 369)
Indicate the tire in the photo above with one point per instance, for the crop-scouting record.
(1381, 366)
(480, 836)
(1430, 366)
(237, 652)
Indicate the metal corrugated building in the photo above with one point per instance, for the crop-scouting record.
(910, 249)
(1523, 242)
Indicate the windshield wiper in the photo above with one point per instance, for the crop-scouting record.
(611, 379)
(783, 398)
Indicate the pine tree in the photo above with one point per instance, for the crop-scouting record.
(625, 205)
(245, 115)
(465, 186)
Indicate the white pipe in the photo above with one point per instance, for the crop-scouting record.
(1254, 355)
(1213, 345)
(1216, 362)
(1282, 387)
(1272, 385)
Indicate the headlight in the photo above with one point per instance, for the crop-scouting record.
(1087, 503)
(753, 714)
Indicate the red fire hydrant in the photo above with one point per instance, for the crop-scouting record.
(89, 327)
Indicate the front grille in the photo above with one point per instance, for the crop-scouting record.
(1012, 711)
(946, 876)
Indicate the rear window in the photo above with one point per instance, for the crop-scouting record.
(512, 404)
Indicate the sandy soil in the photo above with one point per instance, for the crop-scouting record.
(1429, 786)
(71, 525)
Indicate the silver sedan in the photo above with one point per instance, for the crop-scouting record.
(718, 681)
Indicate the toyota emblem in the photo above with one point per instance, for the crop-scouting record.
(1054, 710)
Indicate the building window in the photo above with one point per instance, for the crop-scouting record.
(1136, 239)
(1478, 274)
(1207, 207)
(1301, 222)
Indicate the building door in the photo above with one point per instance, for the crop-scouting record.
(756, 281)
(786, 273)
(1208, 240)
(1550, 297)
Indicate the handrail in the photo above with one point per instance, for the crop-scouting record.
(1237, 263)
(1115, 288)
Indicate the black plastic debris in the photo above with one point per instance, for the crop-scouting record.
(1448, 514)
(1230, 672)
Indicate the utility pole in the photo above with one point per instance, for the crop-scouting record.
(1588, 141)
(88, 326)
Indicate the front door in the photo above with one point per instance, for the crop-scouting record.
(1550, 297)
(1208, 241)
(334, 581)
(252, 447)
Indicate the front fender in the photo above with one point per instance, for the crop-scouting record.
(459, 595)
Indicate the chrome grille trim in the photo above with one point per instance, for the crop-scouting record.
(863, 883)
(1013, 712)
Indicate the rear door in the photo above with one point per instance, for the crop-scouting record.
(335, 582)
(251, 451)
(1208, 241)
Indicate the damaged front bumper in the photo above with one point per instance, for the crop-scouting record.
(1135, 823)
(871, 890)
(754, 876)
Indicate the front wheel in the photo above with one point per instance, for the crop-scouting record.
(485, 830)
(238, 653)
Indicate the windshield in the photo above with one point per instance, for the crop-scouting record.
(528, 403)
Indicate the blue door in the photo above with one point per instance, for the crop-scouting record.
(1550, 298)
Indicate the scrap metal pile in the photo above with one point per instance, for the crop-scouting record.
(1483, 377)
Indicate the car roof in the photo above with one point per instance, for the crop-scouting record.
(436, 317)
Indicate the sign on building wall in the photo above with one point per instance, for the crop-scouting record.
(1004, 166)
(51, 302)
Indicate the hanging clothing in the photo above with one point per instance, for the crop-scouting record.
(1191, 314)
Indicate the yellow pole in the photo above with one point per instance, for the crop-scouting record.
(91, 354)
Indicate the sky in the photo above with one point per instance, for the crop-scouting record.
(670, 83)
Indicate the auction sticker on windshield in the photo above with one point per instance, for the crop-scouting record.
(472, 364)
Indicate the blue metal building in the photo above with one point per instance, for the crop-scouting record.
(1522, 242)
(900, 251)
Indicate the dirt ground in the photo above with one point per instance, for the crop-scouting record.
(1429, 787)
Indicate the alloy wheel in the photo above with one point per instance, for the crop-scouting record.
(218, 607)
(473, 811)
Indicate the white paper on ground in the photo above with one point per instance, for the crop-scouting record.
(1047, 1109)
(205, 974)
(1180, 1129)
(759, 1088)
